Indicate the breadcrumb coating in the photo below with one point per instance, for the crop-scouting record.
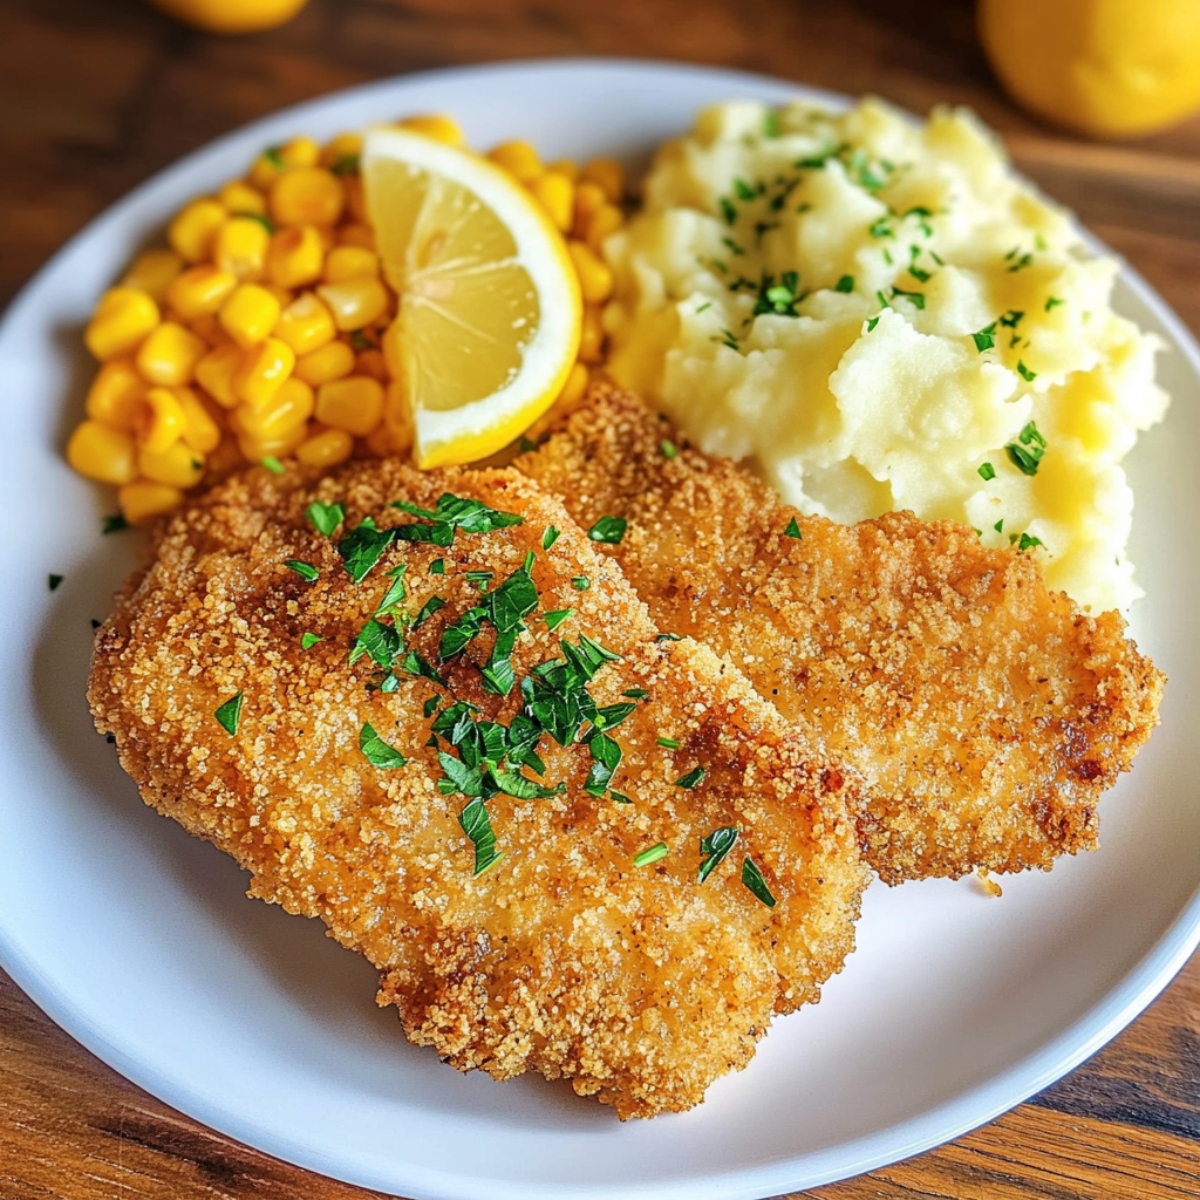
(639, 984)
(986, 713)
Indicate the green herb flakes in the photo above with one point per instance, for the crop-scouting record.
(230, 714)
(845, 285)
(1025, 373)
(581, 583)
(668, 449)
(916, 299)
(396, 592)
(556, 617)
(793, 530)
(54, 582)
(437, 567)
(325, 518)
(636, 693)
(550, 537)
(714, 848)
(752, 877)
(273, 464)
(477, 825)
(309, 640)
(608, 530)
(361, 548)
(985, 339)
(377, 752)
(1027, 451)
(668, 743)
(987, 471)
(652, 854)
(306, 571)
(428, 609)
(382, 643)
(692, 779)
(1027, 542)
(114, 523)
(1053, 302)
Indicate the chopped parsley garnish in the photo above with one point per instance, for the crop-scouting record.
(987, 471)
(916, 299)
(732, 246)
(273, 464)
(550, 537)
(481, 579)
(985, 339)
(581, 583)
(1018, 264)
(1025, 373)
(54, 581)
(1027, 542)
(668, 743)
(703, 307)
(381, 642)
(845, 284)
(667, 637)
(728, 210)
(745, 191)
(1012, 318)
(1053, 302)
(347, 164)
(714, 848)
(636, 693)
(606, 757)
(919, 273)
(651, 855)
(261, 218)
(752, 877)
(608, 530)
(229, 714)
(779, 299)
(692, 779)
(999, 526)
(114, 523)
(556, 617)
(1027, 451)
(325, 518)
(396, 591)
(872, 323)
(881, 229)
(450, 514)
(793, 530)
(428, 609)
(306, 571)
(377, 752)
(361, 548)
(619, 797)
(437, 567)
(771, 124)
(431, 706)
(274, 155)
(668, 449)
(477, 825)
(309, 640)
(415, 663)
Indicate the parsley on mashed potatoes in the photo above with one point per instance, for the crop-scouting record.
(881, 315)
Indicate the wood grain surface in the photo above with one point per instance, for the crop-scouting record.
(96, 95)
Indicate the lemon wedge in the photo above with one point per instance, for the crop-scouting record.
(490, 311)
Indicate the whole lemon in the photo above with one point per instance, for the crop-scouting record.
(1109, 68)
(231, 16)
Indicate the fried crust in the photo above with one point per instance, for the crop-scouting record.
(640, 985)
(986, 713)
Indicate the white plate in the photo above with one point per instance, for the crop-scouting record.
(138, 941)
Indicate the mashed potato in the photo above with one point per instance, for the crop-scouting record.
(880, 315)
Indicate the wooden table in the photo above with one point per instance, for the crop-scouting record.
(95, 95)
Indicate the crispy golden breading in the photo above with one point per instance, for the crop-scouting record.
(641, 985)
(986, 714)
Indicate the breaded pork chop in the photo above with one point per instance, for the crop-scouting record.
(986, 713)
(529, 904)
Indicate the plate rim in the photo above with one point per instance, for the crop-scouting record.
(1097, 1025)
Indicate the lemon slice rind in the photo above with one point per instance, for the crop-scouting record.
(483, 426)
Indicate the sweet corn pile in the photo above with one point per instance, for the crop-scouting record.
(256, 334)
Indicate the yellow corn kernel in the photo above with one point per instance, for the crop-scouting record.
(382, 442)
(330, 362)
(262, 371)
(112, 399)
(300, 152)
(209, 328)
(159, 421)
(266, 169)
(371, 363)
(437, 126)
(355, 234)
(395, 414)
(307, 196)
(249, 314)
(122, 320)
(240, 247)
(589, 200)
(200, 290)
(351, 262)
(518, 158)
(556, 194)
(341, 148)
(595, 277)
(169, 355)
(178, 465)
(574, 388)
(284, 295)
(152, 273)
(144, 501)
(306, 324)
(202, 429)
(355, 303)
(609, 174)
(591, 339)
(101, 452)
(215, 372)
(565, 167)
(354, 404)
(291, 406)
(239, 197)
(604, 222)
(326, 448)
(191, 233)
(256, 449)
(296, 257)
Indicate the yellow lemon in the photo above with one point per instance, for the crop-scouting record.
(490, 313)
(1109, 68)
(231, 16)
